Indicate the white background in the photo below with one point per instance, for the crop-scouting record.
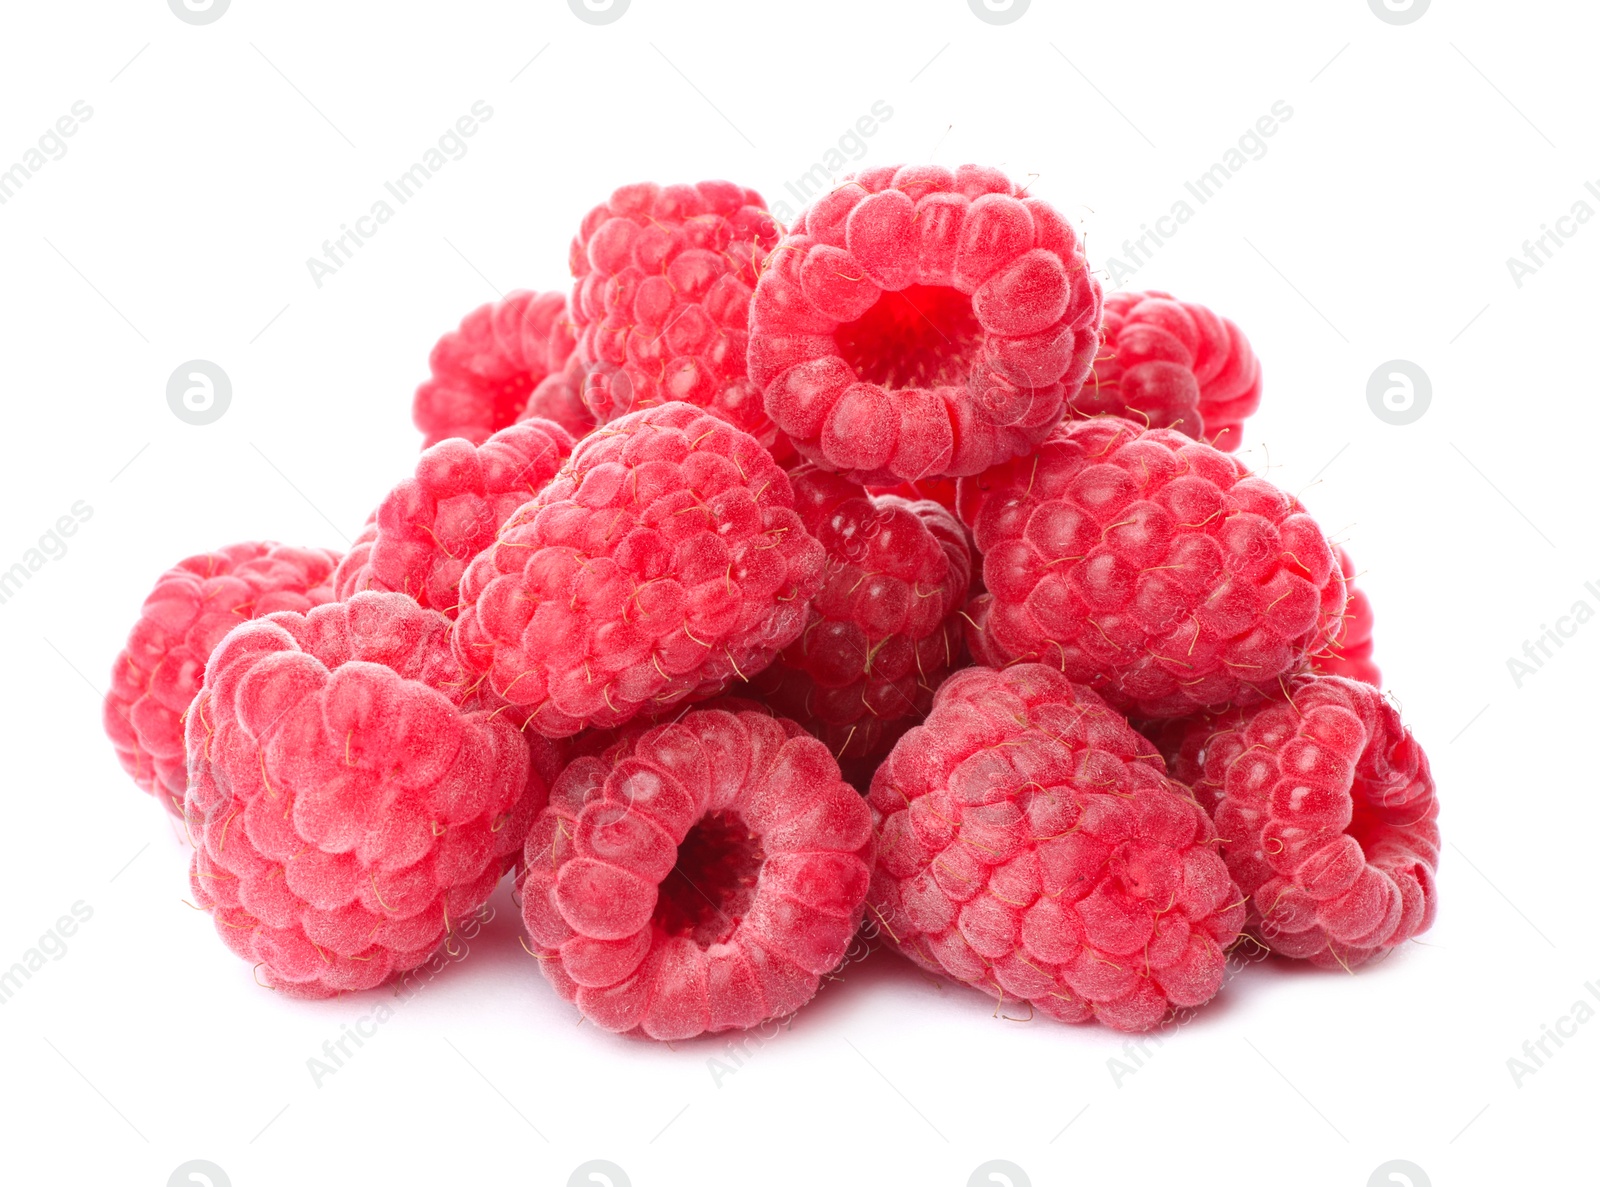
(1376, 226)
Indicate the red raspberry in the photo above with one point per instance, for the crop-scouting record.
(559, 397)
(974, 630)
(192, 606)
(484, 372)
(348, 807)
(885, 627)
(919, 322)
(1031, 845)
(939, 490)
(428, 528)
(1329, 811)
(1151, 567)
(1173, 364)
(663, 562)
(699, 876)
(1350, 655)
(661, 300)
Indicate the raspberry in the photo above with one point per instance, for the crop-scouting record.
(918, 322)
(975, 619)
(559, 397)
(1030, 844)
(347, 805)
(484, 371)
(1151, 567)
(430, 526)
(939, 490)
(661, 300)
(193, 605)
(1330, 813)
(698, 876)
(663, 562)
(884, 629)
(1350, 654)
(1174, 365)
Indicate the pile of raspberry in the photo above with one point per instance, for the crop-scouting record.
(779, 594)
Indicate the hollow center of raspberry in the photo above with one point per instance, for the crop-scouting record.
(511, 397)
(712, 885)
(1368, 821)
(922, 336)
